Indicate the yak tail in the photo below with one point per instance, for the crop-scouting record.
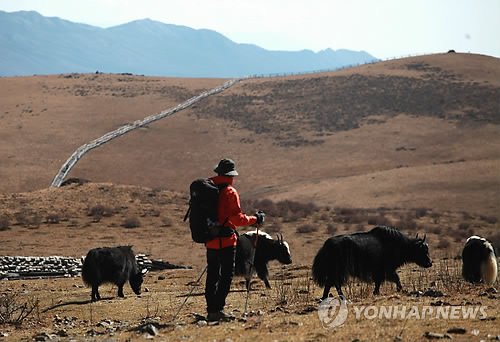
(335, 262)
(489, 269)
(328, 266)
(320, 267)
(89, 269)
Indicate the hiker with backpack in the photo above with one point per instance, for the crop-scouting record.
(220, 237)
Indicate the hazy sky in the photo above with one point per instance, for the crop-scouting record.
(383, 28)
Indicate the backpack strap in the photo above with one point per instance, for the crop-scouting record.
(222, 186)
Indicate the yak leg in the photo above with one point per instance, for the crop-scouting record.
(378, 282)
(95, 293)
(339, 291)
(120, 290)
(326, 292)
(262, 273)
(248, 274)
(395, 279)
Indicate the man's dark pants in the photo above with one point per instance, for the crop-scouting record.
(220, 272)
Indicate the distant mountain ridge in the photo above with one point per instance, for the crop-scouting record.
(34, 44)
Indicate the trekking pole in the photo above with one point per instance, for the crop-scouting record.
(192, 289)
(251, 269)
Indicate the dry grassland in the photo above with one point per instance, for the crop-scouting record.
(412, 143)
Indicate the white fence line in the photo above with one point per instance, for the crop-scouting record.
(347, 66)
(78, 154)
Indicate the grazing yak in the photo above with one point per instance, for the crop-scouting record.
(372, 256)
(479, 261)
(115, 265)
(267, 250)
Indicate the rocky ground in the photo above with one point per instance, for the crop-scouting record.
(60, 308)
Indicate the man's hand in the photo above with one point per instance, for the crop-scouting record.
(260, 217)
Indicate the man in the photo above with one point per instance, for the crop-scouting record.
(221, 251)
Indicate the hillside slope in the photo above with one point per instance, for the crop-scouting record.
(415, 132)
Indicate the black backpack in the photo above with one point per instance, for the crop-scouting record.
(202, 211)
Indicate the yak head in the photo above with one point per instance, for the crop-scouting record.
(284, 251)
(137, 279)
(420, 251)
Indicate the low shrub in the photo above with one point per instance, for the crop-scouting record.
(167, 221)
(495, 240)
(293, 210)
(435, 217)
(35, 221)
(489, 219)
(406, 223)
(131, 222)
(14, 309)
(53, 218)
(324, 217)
(467, 216)
(307, 228)
(288, 210)
(28, 220)
(292, 216)
(420, 212)
(350, 215)
(462, 235)
(436, 230)
(273, 229)
(273, 226)
(331, 229)
(379, 220)
(443, 243)
(267, 206)
(4, 223)
(98, 211)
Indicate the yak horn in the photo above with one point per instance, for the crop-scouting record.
(424, 237)
(281, 237)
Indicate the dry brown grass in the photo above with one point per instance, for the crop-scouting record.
(431, 168)
(411, 152)
(277, 314)
(287, 308)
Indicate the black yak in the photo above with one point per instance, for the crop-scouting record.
(267, 250)
(479, 261)
(370, 256)
(115, 265)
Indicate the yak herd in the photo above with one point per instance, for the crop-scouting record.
(372, 256)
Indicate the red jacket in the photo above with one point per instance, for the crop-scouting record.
(229, 208)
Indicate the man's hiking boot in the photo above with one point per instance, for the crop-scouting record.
(220, 316)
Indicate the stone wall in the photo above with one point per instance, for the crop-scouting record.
(21, 267)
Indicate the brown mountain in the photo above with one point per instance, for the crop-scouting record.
(413, 132)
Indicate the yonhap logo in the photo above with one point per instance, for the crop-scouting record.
(332, 312)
